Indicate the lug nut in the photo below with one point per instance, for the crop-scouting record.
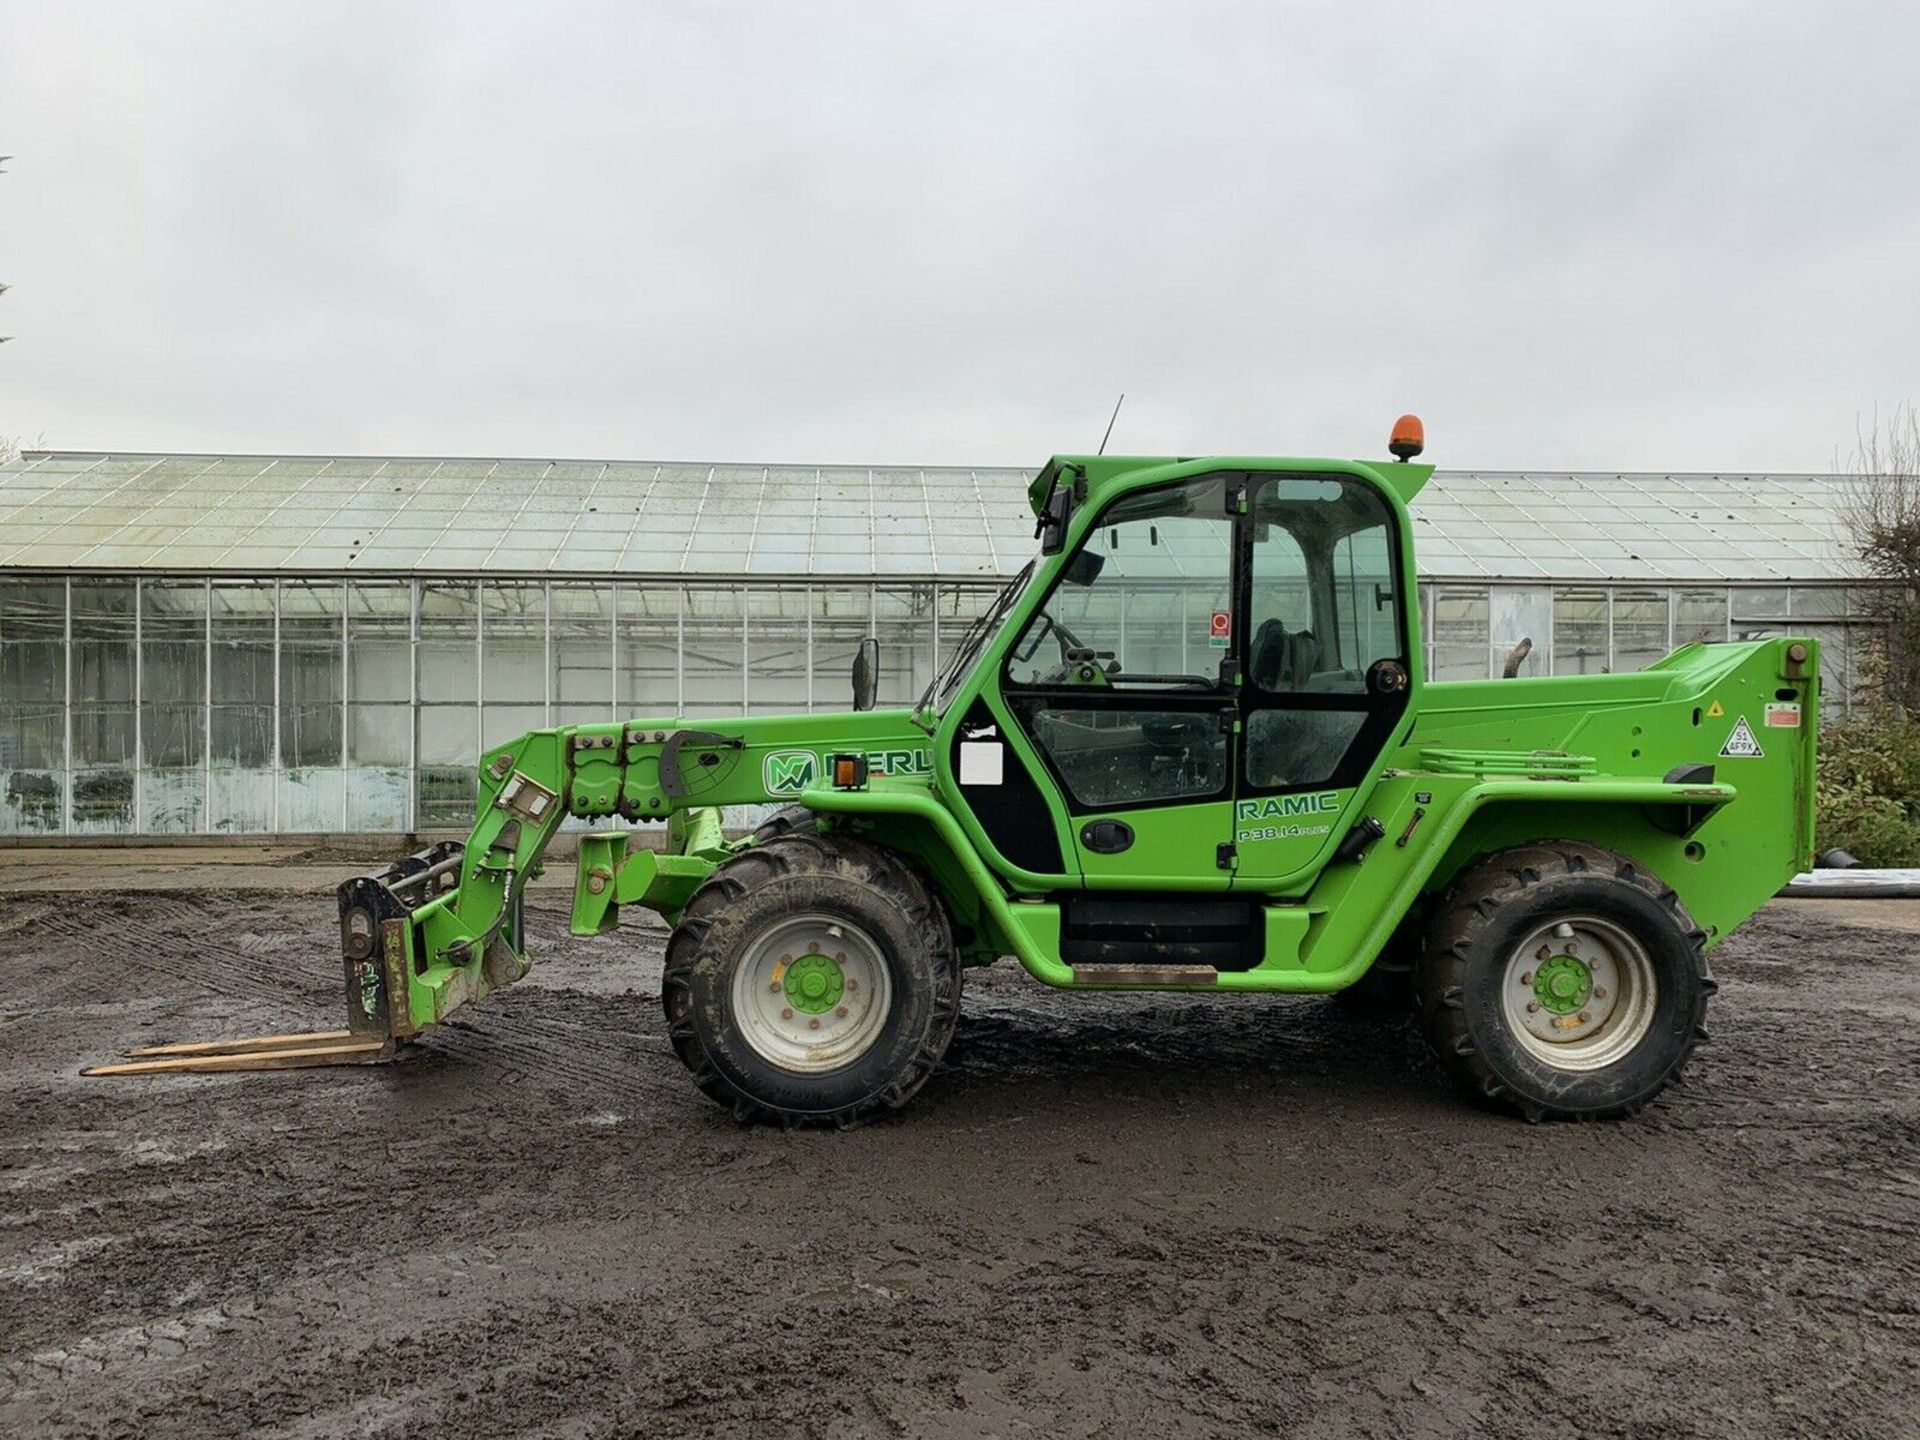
(852, 984)
(774, 987)
(1599, 992)
(1533, 1007)
(1546, 953)
(786, 1013)
(1527, 978)
(813, 1024)
(841, 1013)
(1583, 1017)
(840, 957)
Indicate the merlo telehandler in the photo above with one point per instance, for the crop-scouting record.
(1191, 746)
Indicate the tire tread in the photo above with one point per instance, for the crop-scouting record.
(1462, 917)
(795, 850)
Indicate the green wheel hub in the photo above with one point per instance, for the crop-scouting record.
(814, 984)
(1562, 984)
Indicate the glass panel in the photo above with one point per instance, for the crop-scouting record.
(513, 641)
(1699, 615)
(1462, 635)
(376, 776)
(713, 653)
(449, 705)
(842, 618)
(503, 724)
(1770, 603)
(1639, 628)
(1161, 559)
(1819, 602)
(648, 655)
(960, 605)
(513, 660)
(103, 706)
(1579, 632)
(1366, 605)
(777, 650)
(1298, 747)
(1324, 592)
(242, 755)
(1113, 758)
(379, 643)
(903, 623)
(582, 680)
(173, 706)
(33, 688)
(312, 687)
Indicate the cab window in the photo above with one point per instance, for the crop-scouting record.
(1135, 608)
(1325, 592)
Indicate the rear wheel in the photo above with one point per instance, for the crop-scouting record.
(812, 978)
(1564, 981)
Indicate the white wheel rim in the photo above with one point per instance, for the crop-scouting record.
(812, 993)
(1578, 993)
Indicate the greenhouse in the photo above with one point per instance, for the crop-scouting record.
(219, 645)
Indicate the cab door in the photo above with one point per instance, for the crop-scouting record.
(1328, 674)
(1122, 684)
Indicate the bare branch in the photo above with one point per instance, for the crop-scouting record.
(1881, 509)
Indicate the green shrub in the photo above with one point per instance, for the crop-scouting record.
(1867, 790)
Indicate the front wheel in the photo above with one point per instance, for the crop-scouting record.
(812, 978)
(1564, 981)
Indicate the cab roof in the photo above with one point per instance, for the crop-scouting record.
(1104, 471)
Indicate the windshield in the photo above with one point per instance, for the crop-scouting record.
(940, 689)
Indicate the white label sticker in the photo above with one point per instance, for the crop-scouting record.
(1740, 744)
(981, 762)
(1783, 715)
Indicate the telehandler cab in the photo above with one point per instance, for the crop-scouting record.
(1191, 746)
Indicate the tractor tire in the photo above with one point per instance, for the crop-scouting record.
(1564, 982)
(813, 979)
(787, 820)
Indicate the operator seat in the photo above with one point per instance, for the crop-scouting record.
(1283, 659)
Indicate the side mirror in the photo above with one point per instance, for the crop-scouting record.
(1052, 529)
(866, 674)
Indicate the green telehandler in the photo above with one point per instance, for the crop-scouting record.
(1191, 746)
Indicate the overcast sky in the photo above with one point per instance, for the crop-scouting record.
(1611, 236)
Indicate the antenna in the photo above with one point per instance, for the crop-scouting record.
(1110, 419)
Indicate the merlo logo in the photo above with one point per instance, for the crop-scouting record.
(788, 772)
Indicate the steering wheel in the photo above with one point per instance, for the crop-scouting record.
(1171, 734)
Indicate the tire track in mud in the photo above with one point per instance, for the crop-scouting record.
(185, 939)
(179, 938)
(602, 1063)
(1107, 1216)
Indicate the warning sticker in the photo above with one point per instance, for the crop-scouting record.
(1740, 744)
(1219, 628)
(1715, 710)
(1783, 715)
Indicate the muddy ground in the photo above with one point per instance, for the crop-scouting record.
(1110, 1216)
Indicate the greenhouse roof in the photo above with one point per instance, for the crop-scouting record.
(266, 514)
